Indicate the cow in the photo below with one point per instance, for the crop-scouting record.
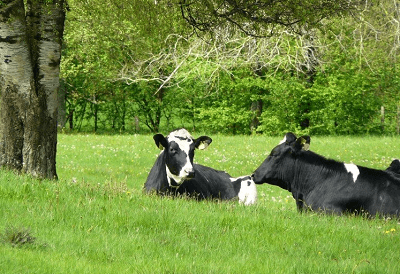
(175, 174)
(322, 184)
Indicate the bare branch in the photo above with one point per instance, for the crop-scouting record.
(259, 17)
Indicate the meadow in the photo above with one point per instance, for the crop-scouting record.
(95, 218)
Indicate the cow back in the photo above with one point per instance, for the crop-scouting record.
(209, 183)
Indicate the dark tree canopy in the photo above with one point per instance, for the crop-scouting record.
(261, 17)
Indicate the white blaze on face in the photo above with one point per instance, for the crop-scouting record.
(183, 138)
(353, 169)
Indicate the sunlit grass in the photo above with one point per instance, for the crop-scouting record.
(96, 219)
(127, 159)
(99, 159)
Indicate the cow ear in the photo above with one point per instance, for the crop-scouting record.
(161, 141)
(202, 142)
(289, 138)
(303, 143)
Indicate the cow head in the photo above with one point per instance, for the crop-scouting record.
(178, 148)
(271, 170)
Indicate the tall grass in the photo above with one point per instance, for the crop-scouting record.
(95, 219)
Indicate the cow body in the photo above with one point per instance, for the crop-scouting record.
(318, 183)
(175, 174)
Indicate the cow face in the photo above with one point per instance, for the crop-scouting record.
(178, 148)
(270, 170)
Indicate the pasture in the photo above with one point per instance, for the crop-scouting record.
(95, 219)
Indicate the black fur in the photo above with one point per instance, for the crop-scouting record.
(208, 182)
(203, 182)
(322, 184)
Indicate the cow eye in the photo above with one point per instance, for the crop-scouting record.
(172, 150)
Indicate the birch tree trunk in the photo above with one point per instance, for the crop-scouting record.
(30, 45)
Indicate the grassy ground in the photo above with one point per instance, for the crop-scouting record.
(95, 219)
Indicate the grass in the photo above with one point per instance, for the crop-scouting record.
(95, 219)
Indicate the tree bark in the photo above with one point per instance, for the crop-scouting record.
(62, 108)
(256, 108)
(16, 80)
(29, 85)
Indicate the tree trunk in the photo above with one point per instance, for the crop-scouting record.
(398, 120)
(16, 80)
(29, 85)
(96, 115)
(123, 114)
(256, 108)
(62, 108)
(137, 125)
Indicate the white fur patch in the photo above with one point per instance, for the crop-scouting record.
(248, 192)
(353, 169)
(182, 133)
(177, 179)
(284, 140)
(237, 178)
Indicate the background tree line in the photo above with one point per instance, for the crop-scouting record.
(136, 66)
(140, 60)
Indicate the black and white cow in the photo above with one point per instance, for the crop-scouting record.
(174, 172)
(318, 183)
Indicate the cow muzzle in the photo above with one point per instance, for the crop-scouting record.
(190, 174)
(187, 173)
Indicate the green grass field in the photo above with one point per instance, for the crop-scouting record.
(95, 219)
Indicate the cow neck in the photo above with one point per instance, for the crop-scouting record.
(170, 181)
(164, 181)
(294, 184)
(300, 184)
(157, 178)
(309, 166)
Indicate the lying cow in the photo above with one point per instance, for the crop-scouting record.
(174, 172)
(318, 183)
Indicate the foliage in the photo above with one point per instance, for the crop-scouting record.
(343, 105)
(259, 18)
(327, 80)
(98, 41)
(286, 105)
